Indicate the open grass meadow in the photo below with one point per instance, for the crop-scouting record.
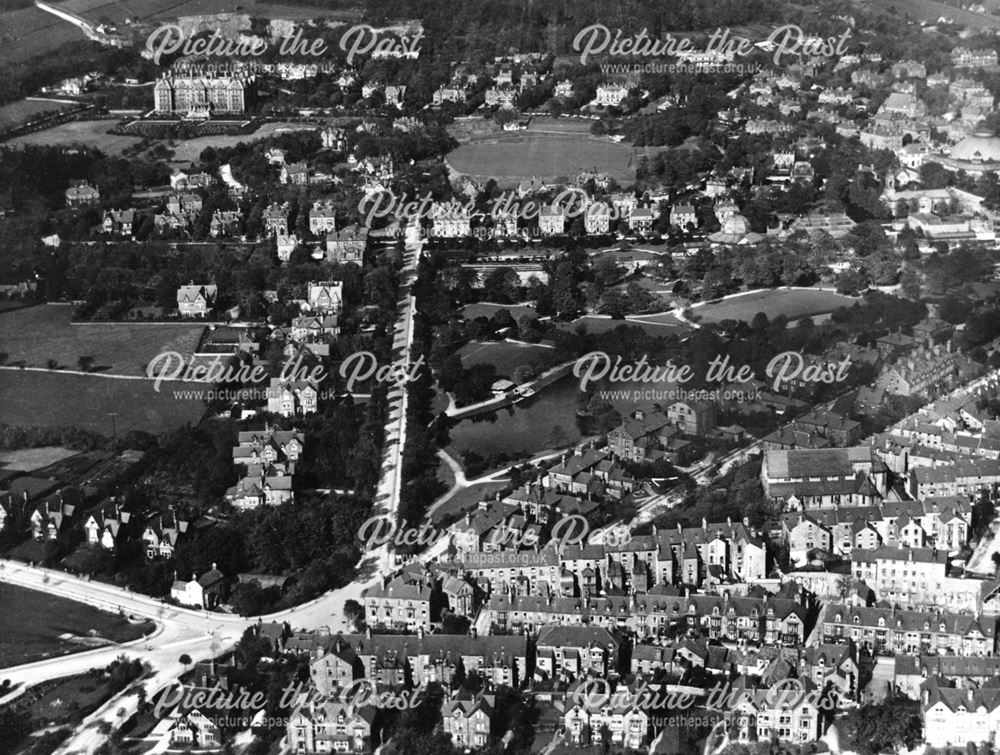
(487, 310)
(32, 336)
(503, 355)
(35, 626)
(24, 110)
(101, 405)
(86, 133)
(792, 303)
(30, 459)
(29, 31)
(655, 325)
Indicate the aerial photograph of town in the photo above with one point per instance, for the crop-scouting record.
(522, 377)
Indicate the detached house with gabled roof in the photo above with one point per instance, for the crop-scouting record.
(118, 221)
(291, 398)
(467, 718)
(187, 730)
(162, 533)
(81, 194)
(275, 218)
(347, 245)
(262, 486)
(683, 215)
(52, 515)
(104, 526)
(196, 301)
(204, 591)
(268, 446)
(322, 218)
(325, 297)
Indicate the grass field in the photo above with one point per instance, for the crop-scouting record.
(31, 623)
(24, 110)
(30, 459)
(504, 356)
(32, 336)
(86, 133)
(26, 32)
(511, 159)
(482, 309)
(53, 399)
(654, 325)
(792, 304)
(94, 134)
(930, 11)
(189, 151)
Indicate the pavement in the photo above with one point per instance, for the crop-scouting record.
(202, 634)
(389, 488)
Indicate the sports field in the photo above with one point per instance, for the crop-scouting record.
(792, 303)
(511, 159)
(32, 336)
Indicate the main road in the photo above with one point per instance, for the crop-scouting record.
(201, 634)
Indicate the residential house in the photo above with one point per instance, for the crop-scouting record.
(622, 719)
(196, 301)
(162, 533)
(683, 215)
(890, 631)
(398, 603)
(322, 218)
(203, 592)
(571, 652)
(692, 417)
(962, 717)
(294, 174)
(225, 223)
(611, 95)
(82, 194)
(552, 220)
(120, 222)
(330, 725)
(275, 218)
(291, 398)
(347, 245)
(325, 297)
(467, 718)
(103, 526)
(188, 730)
